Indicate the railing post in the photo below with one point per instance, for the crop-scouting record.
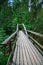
(4, 50)
(10, 47)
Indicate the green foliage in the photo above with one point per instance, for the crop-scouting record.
(3, 59)
(18, 13)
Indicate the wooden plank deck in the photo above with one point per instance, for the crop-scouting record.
(25, 52)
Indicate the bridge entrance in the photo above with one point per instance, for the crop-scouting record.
(23, 51)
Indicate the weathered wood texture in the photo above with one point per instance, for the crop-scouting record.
(41, 46)
(9, 39)
(35, 33)
(25, 52)
(7, 42)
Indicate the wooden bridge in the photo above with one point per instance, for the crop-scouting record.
(23, 51)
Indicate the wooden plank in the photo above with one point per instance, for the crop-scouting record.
(36, 42)
(27, 56)
(31, 55)
(36, 50)
(24, 58)
(37, 58)
(34, 56)
(17, 60)
(11, 55)
(9, 38)
(21, 57)
(41, 51)
(14, 57)
(35, 33)
(25, 29)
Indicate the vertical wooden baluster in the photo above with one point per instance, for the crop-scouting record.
(10, 47)
(4, 50)
(33, 37)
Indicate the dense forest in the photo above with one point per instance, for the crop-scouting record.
(29, 12)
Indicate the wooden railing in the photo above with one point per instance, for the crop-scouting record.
(37, 34)
(36, 42)
(25, 31)
(7, 41)
(12, 36)
(11, 54)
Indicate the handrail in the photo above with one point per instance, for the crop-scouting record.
(17, 27)
(8, 42)
(11, 55)
(36, 42)
(25, 29)
(9, 39)
(35, 33)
